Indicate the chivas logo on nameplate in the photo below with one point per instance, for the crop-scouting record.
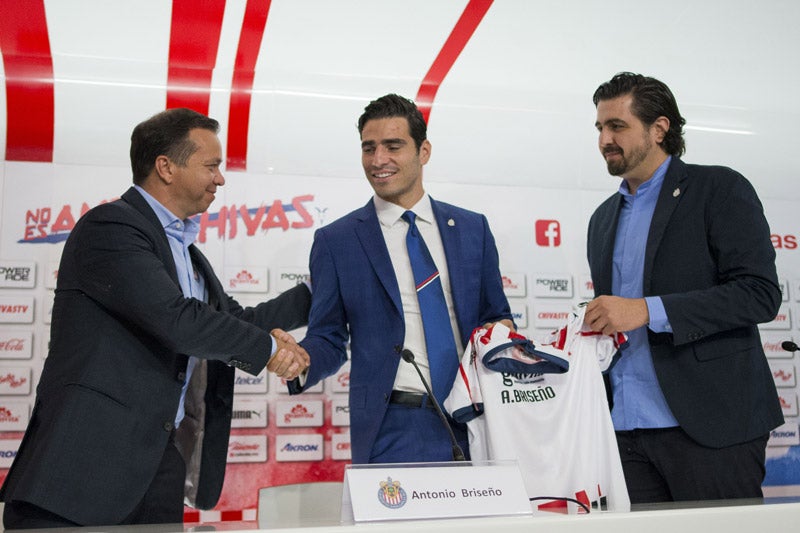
(391, 494)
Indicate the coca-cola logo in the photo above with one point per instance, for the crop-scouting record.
(12, 345)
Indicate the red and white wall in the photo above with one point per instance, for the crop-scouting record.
(506, 87)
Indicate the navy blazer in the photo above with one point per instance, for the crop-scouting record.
(356, 296)
(710, 258)
(120, 335)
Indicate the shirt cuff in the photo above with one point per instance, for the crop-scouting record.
(274, 346)
(659, 322)
(301, 379)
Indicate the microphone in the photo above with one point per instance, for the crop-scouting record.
(789, 346)
(458, 453)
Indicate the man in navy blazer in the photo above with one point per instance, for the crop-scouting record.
(681, 260)
(364, 292)
(133, 408)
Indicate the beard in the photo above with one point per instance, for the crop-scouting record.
(625, 162)
(621, 165)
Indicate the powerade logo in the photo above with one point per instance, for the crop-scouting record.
(53, 225)
(15, 273)
(550, 286)
(295, 278)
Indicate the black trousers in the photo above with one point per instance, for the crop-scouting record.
(161, 504)
(663, 465)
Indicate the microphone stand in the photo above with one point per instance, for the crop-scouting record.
(458, 453)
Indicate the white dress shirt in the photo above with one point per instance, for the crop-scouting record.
(394, 231)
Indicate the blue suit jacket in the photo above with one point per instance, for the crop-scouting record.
(356, 295)
(710, 258)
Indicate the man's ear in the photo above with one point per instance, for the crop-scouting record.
(163, 168)
(661, 126)
(424, 151)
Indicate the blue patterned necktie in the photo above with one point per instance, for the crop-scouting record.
(442, 353)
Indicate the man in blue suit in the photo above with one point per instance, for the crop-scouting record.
(364, 290)
(682, 261)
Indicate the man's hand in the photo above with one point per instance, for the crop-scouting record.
(506, 322)
(290, 359)
(612, 314)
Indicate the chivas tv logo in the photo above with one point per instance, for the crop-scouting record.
(54, 224)
(548, 233)
(391, 494)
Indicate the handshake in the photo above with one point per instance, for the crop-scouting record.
(290, 359)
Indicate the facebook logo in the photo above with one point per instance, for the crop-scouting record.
(548, 233)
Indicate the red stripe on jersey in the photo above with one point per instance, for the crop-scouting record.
(28, 63)
(465, 379)
(255, 20)
(193, 44)
(458, 39)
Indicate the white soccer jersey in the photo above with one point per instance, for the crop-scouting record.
(544, 405)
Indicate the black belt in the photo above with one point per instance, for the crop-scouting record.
(411, 399)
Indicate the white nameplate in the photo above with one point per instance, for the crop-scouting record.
(432, 490)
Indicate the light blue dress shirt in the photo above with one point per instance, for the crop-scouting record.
(181, 234)
(638, 399)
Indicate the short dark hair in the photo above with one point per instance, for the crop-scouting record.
(651, 99)
(165, 133)
(391, 106)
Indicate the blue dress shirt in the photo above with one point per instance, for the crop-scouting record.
(181, 234)
(638, 399)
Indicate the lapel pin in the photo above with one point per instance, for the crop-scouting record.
(451, 222)
(676, 192)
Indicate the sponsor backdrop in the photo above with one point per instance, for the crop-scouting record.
(506, 87)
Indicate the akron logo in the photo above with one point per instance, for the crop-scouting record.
(391, 494)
